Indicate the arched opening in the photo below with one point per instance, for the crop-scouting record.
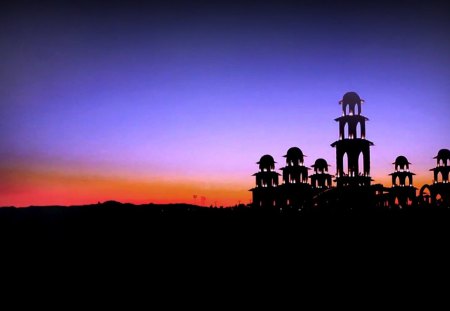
(345, 171)
(396, 202)
(361, 164)
(345, 131)
(396, 179)
(425, 194)
(439, 179)
(358, 130)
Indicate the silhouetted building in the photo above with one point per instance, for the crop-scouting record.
(353, 182)
(438, 193)
(265, 193)
(321, 179)
(295, 192)
(402, 192)
(352, 144)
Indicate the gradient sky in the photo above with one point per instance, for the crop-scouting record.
(157, 101)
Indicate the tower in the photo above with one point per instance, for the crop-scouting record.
(321, 179)
(265, 192)
(439, 191)
(295, 190)
(442, 167)
(294, 172)
(402, 192)
(352, 148)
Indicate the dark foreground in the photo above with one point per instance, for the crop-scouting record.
(185, 241)
(113, 221)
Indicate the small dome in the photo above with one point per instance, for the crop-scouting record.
(443, 154)
(321, 164)
(351, 98)
(266, 162)
(402, 162)
(294, 154)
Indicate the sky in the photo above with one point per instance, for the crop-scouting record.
(158, 101)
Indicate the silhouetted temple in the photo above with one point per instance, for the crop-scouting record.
(352, 144)
(438, 193)
(402, 193)
(353, 183)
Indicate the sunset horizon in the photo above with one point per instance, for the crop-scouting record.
(177, 102)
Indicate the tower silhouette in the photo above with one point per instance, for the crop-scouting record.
(294, 172)
(439, 191)
(442, 167)
(402, 193)
(265, 192)
(352, 144)
(321, 179)
(295, 190)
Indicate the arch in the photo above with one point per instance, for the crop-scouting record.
(358, 131)
(396, 180)
(345, 164)
(410, 180)
(360, 164)
(346, 131)
(425, 194)
(425, 190)
(441, 179)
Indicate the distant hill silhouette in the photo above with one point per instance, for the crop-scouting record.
(59, 222)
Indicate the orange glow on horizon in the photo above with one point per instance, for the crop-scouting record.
(25, 188)
(39, 186)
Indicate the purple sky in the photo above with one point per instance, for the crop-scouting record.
(200, 91)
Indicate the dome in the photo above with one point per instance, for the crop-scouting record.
(443, 154)
(351, 98)
(321, 164)
(266, 162)
(402, 161)
(294, 154)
